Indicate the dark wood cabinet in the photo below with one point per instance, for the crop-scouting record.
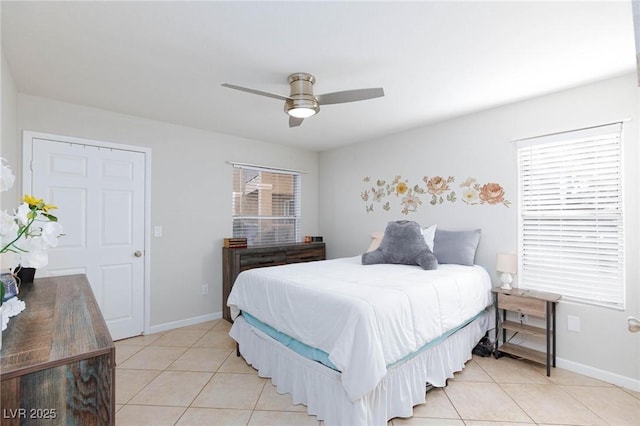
(236, 260)
(57, 361)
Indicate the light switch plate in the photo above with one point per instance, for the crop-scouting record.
(573, 323)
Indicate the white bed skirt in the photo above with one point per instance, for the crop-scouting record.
(320, 389)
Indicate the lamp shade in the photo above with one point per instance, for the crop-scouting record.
(506, 262)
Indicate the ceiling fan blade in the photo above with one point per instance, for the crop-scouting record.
(350, 96)
(294, 121)
(256, 92)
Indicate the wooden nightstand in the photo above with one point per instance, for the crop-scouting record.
(530, 302)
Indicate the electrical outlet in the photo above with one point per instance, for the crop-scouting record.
(205, 289)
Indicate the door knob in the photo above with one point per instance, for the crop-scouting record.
(137, 253)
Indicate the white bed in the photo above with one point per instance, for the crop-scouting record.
(387, 330)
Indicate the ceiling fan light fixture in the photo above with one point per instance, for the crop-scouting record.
(301, 108)
(302, 112)
(302, 103)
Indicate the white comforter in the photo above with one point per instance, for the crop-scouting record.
(365, 317)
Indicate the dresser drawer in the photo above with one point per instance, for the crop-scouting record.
(306, 255)
(262, 259)
(525, 305)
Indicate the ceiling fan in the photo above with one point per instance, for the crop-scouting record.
(301, 102)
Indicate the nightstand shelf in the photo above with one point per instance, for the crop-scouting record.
(523, 352)
(524, 328)
(529, 302)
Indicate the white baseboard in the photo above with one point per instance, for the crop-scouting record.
(586, 370)
(183, 323)
(596, 373)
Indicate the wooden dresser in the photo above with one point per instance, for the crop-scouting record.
(236, 260)
(57, 363)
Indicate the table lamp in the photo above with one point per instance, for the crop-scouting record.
(506, 263)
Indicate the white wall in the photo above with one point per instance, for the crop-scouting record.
(9, 130)
(8, 150)
(190, 196)
(478, 145)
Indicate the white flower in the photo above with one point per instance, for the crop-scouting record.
(8, 228)
(470, 181)
(410, 203)
(37, 255)
(6, 176)
(22, 214)
(50, 233)
(470, 196)
(11, 308)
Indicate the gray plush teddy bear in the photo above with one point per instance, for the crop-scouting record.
(404, 244)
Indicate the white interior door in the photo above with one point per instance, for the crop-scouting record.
(100, 194)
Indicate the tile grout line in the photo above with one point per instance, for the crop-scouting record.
(213, 374)
(580, 402)
(505, 392)
(450, 401)
(516, 402)
(145, 386)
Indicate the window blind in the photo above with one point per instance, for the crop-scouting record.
(266, 205)
(571, 236)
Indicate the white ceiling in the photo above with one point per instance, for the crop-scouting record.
(435, 60)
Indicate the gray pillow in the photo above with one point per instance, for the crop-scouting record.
(404, 244)
(457, 247)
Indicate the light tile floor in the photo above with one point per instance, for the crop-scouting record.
(191, 376)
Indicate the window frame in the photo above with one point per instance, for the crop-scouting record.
(613, 217)
(296, 217)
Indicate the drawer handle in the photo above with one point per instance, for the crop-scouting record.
(263, 261)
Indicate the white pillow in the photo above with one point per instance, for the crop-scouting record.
(429, 235)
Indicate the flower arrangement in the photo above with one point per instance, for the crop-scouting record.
(31, 230)
(28, 233)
